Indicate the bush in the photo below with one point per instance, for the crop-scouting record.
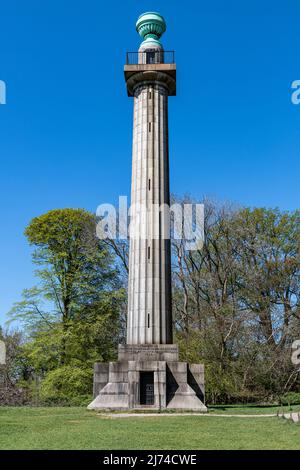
(67, 385)
(290, 398)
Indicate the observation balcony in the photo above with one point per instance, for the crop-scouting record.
(151, 65)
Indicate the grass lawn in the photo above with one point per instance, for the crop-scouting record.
(77, 428)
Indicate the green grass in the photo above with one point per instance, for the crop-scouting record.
(77, 428)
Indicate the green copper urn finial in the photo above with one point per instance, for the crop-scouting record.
(151, 26)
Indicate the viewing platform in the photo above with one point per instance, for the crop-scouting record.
(150, 65)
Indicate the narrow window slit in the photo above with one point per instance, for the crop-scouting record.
(148, 252)
(150, 95)
(149, 126)
(149, 184)
(148, 320)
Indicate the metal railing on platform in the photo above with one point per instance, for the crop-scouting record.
(150, 57)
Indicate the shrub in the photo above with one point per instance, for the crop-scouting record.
(290, 398)
(67, 385)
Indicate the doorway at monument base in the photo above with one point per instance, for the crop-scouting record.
(148, 377)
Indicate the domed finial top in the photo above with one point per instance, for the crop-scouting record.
(151, 26)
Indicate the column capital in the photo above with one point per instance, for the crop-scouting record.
(164, 74)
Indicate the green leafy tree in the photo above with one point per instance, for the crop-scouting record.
(72, 315)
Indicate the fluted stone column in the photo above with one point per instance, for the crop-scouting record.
(149, 296)
(149, 318)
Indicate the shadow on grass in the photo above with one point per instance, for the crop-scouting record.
(252, 408)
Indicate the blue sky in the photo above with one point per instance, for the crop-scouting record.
(65, 132)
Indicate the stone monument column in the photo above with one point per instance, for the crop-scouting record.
(149, 289)
(148, 373)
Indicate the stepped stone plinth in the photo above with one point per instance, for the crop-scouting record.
(148, 377)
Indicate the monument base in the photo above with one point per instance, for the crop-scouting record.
(148, 377)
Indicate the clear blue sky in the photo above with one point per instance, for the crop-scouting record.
(66, 128)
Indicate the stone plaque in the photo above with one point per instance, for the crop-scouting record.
(148, 352)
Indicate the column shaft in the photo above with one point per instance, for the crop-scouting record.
(149, 289)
